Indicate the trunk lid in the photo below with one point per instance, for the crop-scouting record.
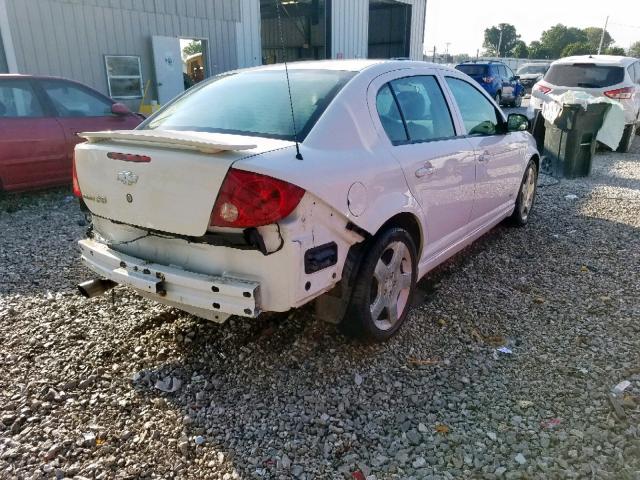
(160, 180)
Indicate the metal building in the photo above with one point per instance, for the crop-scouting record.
(130, 49)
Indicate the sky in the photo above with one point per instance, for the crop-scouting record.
(462, 22)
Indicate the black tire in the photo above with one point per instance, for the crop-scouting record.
(628, 135)
(358, 320)
(498, 98)
(522, 210)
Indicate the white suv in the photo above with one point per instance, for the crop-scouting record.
(599, 75)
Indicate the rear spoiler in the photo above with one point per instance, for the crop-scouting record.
(195, 141)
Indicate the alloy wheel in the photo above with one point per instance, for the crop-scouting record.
(527, 192)
(391, 286)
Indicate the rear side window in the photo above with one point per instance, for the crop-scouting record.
(390, 116)
(478, 113)
(423, 111)
(71, 100)
(17, 99)
(473, 70)
(584, 75)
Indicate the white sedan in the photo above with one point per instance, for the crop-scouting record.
(236, 199)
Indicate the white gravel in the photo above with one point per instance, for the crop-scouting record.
(121, 387)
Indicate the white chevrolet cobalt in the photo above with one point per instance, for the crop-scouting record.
(238, 198)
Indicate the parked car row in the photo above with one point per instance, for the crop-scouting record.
(40, 118)
(613, 77)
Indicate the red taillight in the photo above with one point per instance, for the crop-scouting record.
(543, 89)
(249, 199)
(620, 93)
(76, 185)
(488, 79)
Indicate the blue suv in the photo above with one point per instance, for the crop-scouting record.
(497, 79)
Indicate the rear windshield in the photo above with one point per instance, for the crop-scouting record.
(531, 69)
(254, 103)
(473, 70)
(584, 75)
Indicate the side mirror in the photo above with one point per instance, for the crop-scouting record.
(517, 122)
(120, 109)
(516, 78)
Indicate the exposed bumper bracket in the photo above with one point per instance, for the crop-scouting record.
(212, 293)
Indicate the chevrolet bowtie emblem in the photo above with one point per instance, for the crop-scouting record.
(127, 178)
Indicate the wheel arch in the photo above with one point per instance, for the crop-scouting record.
(409, 222)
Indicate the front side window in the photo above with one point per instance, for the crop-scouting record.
(17, 99)
(72, 100)
(478, 113)
(254, 103)
(124, 76)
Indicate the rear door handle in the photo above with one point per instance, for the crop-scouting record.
(484, 156)
(424, 171)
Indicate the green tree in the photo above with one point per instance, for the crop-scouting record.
(492, 39)
(521, 50)
(593, 38)
(538, 51)
(577, 48)
(192, 48)
(559, 36)
(634, 50)
(615, 51)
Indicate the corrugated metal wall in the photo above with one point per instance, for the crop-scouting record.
(69, 38)
(350, 28)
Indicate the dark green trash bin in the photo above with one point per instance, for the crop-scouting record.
(570, 141)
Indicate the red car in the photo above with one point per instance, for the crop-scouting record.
(39, 121)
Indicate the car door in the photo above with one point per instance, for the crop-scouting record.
(412, 111)
(80, 109)
(32, 143)
(498, 154)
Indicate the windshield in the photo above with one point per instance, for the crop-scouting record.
(254, 103)
(473, 70)
(531, 69)
(584, 75)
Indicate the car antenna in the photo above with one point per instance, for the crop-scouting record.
(286, 70)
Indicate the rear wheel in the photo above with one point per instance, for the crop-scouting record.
(383, 288)
(526, 196)
(626, 141)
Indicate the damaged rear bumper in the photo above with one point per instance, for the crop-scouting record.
(214, 297)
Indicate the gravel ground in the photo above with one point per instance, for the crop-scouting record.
(81, 381)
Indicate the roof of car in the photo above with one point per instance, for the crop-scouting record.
(356, 65)
(611, 60)
(482, 62)
(43, 77)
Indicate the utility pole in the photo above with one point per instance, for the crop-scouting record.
(434, 54)
(604, 31)
(500, 43)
